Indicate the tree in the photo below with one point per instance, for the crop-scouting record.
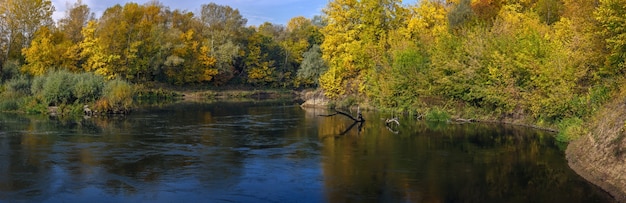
(612, 18)
(94, 51)
(223, 29)
(312, 65)
(76, 18)
(355, 42)
(43, 53)
(22, 19)
(264, 57)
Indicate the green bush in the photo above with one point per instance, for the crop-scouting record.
(570, 129)
(57, 88)
(437, 115)
(9, 104)
(19, 86)
(36, 87)
(10, 69)
(88, 87)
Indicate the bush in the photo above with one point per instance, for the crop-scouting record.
(8, 105)
(437, 115)
(19, 86)
(10, 69)
(36, 87)
(117, 96)
(57, 88)
(570, 129)
(88, 87)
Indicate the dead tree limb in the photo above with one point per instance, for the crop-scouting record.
(392, 120)
(358, 119)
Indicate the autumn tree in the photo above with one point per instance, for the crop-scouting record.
(223, 29)
(43, 54)
(20, 21)
(612, 18)
(76, 18)
(355, 42)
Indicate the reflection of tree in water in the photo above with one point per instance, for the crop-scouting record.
(459, 163)
(24, 169)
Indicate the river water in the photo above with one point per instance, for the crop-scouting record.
(278, 152)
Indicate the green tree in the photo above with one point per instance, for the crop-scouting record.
(312, 65)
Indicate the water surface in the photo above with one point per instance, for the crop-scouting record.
(278, 152)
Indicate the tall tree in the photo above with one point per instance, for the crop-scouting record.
(355, 41)
(76, 18)
(312, 65)
(612, 18)
(223, 29)
(21, 19)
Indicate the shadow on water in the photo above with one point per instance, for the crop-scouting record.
(277, 152)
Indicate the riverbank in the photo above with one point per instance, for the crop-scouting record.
(598, 155)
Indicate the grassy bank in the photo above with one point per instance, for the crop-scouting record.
(63, 93)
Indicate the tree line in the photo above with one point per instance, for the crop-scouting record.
(544, 60)
(152, 43)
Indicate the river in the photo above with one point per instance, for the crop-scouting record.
(278, 152)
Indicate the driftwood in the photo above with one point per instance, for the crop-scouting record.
(389, 124)
(461, 121)
(392, 120)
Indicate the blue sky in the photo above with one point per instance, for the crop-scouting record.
(256, 11)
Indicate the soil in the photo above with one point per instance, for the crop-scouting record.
(599, 155)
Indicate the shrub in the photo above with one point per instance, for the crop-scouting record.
(118, 95)
(570, 129)
(10, 69)
(57, 88)
(8, 104)
(19, 86)
(437, 115)
(88, 87)
(36, 87)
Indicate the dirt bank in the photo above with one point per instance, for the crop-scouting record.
(599, 155)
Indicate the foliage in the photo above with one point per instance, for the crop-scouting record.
(19, 86)
(570, 129)
(611, 16)
(551, 61)
(117, 96)
(10, 69)
(437, 115)
(57, 88)
(312, 65)
(88, 87)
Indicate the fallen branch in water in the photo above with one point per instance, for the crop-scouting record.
(461, 120)
(358, 119)
(392, 120)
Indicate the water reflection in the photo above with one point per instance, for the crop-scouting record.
(277, 152)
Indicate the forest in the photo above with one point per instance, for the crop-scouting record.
(544, 62)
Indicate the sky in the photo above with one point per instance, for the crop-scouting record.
(256, 11)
